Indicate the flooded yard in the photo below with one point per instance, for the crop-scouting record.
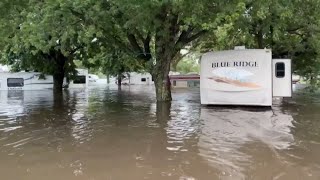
(106, 134)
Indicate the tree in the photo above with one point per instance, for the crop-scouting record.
(153, 32)
(187, 51)
(188, 65)
(289, 27)
(262, 24)
(44, 36)
(306, 33)
(114, 62)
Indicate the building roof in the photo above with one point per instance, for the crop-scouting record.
(185, 77)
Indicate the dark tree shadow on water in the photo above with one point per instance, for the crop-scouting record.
(63, 107)
(61, 102)
(58, 100)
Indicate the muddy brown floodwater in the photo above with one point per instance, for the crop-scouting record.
(104, 134)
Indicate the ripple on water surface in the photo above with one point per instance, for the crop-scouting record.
(101, 133)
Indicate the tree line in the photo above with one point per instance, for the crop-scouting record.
(118, 36)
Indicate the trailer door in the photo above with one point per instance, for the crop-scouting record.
(282, 78)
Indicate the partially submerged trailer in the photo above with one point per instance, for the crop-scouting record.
(244, 77)
(37, 81)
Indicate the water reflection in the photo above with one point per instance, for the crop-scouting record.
(226, 133)
(11, 103)
(104, 133)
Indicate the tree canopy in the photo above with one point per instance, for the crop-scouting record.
(154, 32)
(43, 36)
(289, 27)
(119, 35)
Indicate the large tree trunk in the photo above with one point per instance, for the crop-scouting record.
(259, 35)
(59, 71)
(57, 100)
(162, 80)
(174, 65)
(313, 83)
(163, 112)
(259, 38)
(119, 80)
(108, 79)
(58, 81)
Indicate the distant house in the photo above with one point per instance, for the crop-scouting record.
(185, 81)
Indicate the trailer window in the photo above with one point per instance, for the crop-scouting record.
(143, 79)
(280, 70)
(174, 83)
(79, 80)
(15, 82)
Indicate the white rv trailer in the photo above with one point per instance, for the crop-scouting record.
(244, 77)
(135, 78)
(34, 81)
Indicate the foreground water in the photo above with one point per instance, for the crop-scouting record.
(102, 133)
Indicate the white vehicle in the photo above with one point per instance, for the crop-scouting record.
(36, 81)
(244, 77)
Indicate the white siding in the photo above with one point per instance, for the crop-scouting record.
(32, 81)
(181, 84)
(140, 79)
(282, 86)
(237, 77)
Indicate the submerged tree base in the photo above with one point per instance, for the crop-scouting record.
(163, 112)
(163, 87)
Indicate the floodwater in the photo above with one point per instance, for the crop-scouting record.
(106, 134)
